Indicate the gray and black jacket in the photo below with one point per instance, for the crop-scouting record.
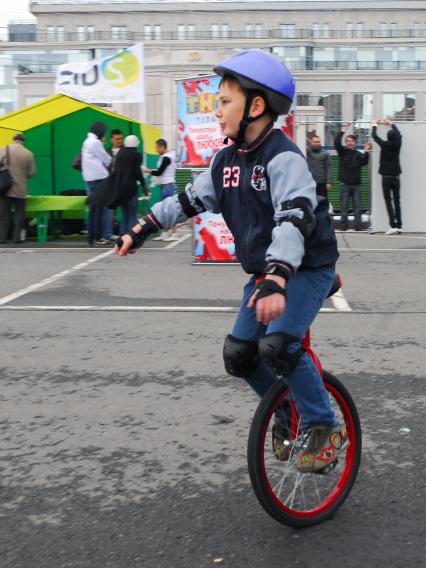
(319, 163)
(248, 186)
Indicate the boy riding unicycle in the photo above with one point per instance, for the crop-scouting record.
(283, 237)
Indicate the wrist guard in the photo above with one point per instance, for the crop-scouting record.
(267, 288)
(149, 225)
(279, 269)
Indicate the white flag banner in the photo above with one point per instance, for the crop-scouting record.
(113, 79)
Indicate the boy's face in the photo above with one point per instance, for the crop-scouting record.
(230, 109)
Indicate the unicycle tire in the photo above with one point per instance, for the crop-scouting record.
(290, 497)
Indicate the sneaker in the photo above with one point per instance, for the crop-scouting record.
(398, 231)
(102, 242)
(392, 231)
(160, 237)
(281, 443)
(325, 443)
(170, 238)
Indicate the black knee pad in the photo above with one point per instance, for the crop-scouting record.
(273, 349)
(240, 356)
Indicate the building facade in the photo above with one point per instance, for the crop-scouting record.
(358, 60)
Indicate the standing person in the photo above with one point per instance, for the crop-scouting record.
(390, 169)
(21, 164)
(350, 164)
(116, 139)
(166, 173)
(319, 163)
(262, 186)
(128, 173)
(95, 162)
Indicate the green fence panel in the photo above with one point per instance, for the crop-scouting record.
(334, 193)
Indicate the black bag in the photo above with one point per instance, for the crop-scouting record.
(6, 180)
(103, 195)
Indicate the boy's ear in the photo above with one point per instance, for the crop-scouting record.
(258, 106)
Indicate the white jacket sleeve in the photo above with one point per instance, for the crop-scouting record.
(197, 198)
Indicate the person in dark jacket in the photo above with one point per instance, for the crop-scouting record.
(350, 164)
(390, 169)
(127, 175)
(319, 163)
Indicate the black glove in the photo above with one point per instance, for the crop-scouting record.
(267, 288)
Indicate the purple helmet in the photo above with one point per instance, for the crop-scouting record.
(259, 70)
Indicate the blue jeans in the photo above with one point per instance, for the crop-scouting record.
(107, 218)
(346, 192)
(128, 215)
(306, 292)
(100, 218)
(167, 190)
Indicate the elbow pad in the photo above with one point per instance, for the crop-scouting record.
(307, 223)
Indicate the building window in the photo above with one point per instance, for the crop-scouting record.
(184, 31)
(214, 31)
(359, 29)
(258, 31)
(81, 33)
(332, 104)
(90, 32)
(392, 29)
(151, 32)
(248, 30)
(50, 33)
(60, 33)
(302, 100)
(225, 30)
(181, 31)
(315, 30)
(288, 30)
(383, 29)
(118, 32)
(399, 106)
(416, 29)
(362, 115)
(349, 29)
(326, 30)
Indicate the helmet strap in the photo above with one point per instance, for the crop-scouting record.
(246, 120)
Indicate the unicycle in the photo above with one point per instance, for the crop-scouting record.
(290, 497)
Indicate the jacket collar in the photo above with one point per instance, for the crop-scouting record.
(266, 132)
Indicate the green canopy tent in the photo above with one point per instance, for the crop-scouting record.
(55, 129)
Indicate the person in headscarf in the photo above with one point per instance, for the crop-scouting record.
(128, 173)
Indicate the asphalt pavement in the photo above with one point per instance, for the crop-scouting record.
(124, 441)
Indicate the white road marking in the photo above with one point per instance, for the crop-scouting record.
(175, 243)
(201, 309)
(340, 303)
(381, 250)
(46, 281)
